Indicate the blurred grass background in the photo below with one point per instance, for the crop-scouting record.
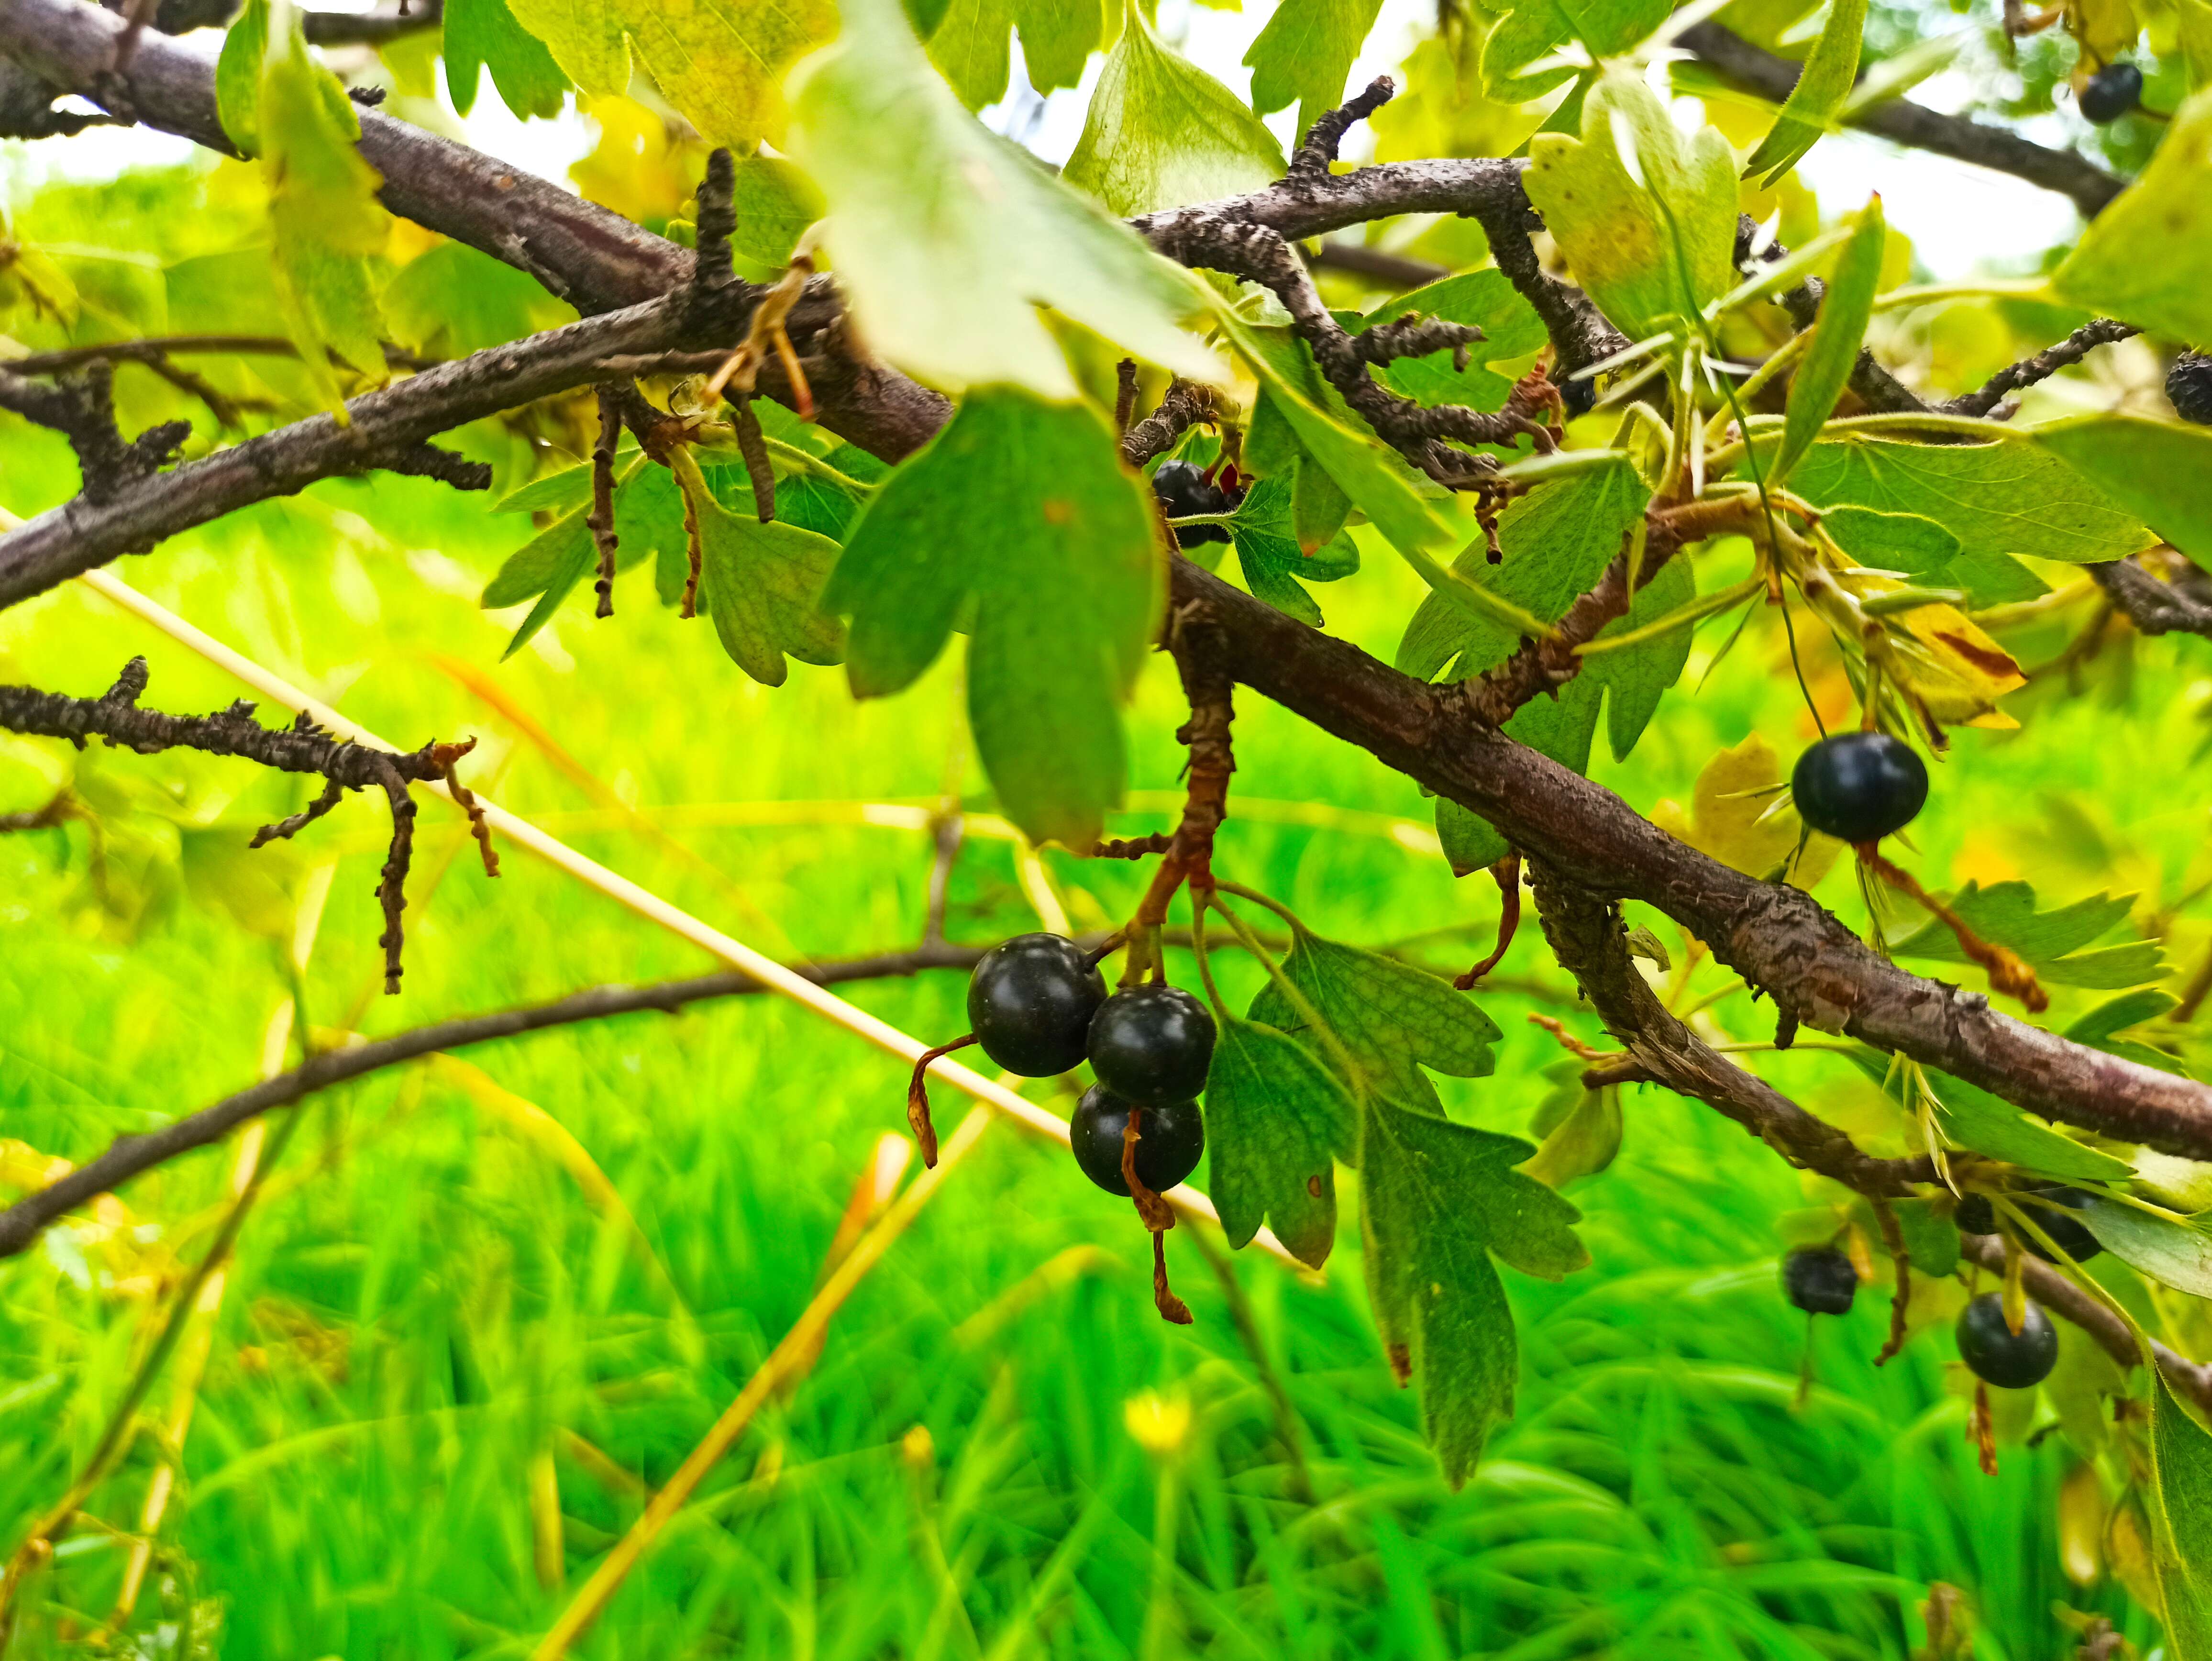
(444, 1372)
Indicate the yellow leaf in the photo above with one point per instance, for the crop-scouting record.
(1731, 818)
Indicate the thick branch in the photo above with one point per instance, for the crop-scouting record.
(1591, 943)
(2088, 187)
(2182, 605)
(1778, 938)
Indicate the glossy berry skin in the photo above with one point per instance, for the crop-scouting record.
(1152, 1044)
(1169, 1140)
(2189, 386)
(2111, 93)
(2048, 1207)
(1859, 786)
(1579, 396)
(1820, 1280)
(2000, 1356)
(1183, 489)
(1031, 1002)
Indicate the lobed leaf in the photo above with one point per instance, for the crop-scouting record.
(1277, 1119)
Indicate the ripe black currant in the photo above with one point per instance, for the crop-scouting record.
(2189, 386)
(1031, 1001)
(1820, 1280)
(1859, 786)
(1170, 1136)
(2049, 1208)
(2111, 93)
(1579, 396)
(2000, 1356)
(1183, 489)
(1152, 1044)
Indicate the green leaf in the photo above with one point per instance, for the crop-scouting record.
(453, 300)
(1391, 1019)
(2051, 942)
(238, 77)
(1436, 1199)
(2157, 469)
(2181, 1521)
(947, 238)
(1652, 254)
(325, 218)
(1485, 299)
(1924, 551)
(762, 584)
(1533, 27)
(774, 204)
(2144, 258)
(1275, 1119)
(1019, 511)
(1997, 499)
(1636, 677)
(1973, 1117)
(2177, 1254)
(549, 565)
(1161, 132)
(1267, 550)
(483, 33)
(556, 492)
(1305, 53)
(1845, 309)
(1931, 1242)
(721, 65)
(2100, 1027)
(1585, 1140)
(967, 41)
(1822, 86)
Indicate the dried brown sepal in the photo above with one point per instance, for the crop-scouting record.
(752, 445)
(1171, 1308)
(1159, 1216)
(1125, 395)
(1981, 1430)
(1507, 871)
(917, 1098)
(695, 553)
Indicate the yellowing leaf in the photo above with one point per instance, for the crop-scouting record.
(324, 214)
(2144, 259)
(1730, 818)
(720, 63)
(1161, 132)
(947, 238)
(1822, 86)
(1951, 666)
(1649, 251)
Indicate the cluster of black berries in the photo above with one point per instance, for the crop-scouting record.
(1038, 1005)
(2111, 92)
(2049, 1208)
(1821, 1281)
(1859, 786)
(1184, 490)
(2189, 386)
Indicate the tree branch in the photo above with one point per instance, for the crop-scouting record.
(2098, 332)
(301, 748)
(1778, 938)
(2180, 605)
(2088, 185)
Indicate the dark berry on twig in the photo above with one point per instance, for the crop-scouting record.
(1171, 1137)
(2189, 386)
(1184, 490)
(1820, 1280)
(2000, 1356)
(1152, 1044)
(1031, 1002)
(2111, 93)
(1859, 786)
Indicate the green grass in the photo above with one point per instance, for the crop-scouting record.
(425, 1307)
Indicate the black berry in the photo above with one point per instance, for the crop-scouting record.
(1031, 1001)
(1820, 1280)
(2000, 1356)
(2189, 386)
(2049, 1208)
(1183, 489)
(1579, 396)
(1171, 1137)
(2111, 93)
(1152, 1044)
(1859, 786)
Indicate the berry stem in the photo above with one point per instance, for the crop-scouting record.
(1507, 871)
(2008, 973)
(917, 1098)
(1892, 1236)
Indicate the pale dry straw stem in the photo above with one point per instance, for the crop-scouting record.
(643, 903)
